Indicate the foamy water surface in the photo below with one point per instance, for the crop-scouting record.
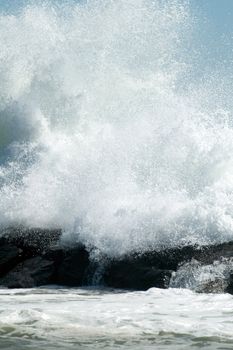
(108, 319)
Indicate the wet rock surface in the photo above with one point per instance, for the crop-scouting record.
(34, 257)
(30, 273)
(10, 255)
(73, 267)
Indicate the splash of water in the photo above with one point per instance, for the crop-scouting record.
(99, 135)
(203, 278)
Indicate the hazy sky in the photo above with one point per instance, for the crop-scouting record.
(216, 18)
(218, 12)
(214, 31)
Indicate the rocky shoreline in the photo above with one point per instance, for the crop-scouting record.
(33, 257)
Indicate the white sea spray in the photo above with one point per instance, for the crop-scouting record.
(99, 135)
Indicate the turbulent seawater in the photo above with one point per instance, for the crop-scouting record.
(107, 319)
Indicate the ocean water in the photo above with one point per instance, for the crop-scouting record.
(107, 319)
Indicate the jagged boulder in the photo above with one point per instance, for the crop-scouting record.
(30, 273)
(10, 255)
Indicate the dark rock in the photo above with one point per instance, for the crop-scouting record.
(72, 269)
(30, 273)
(135, 276)
(10, 255)
(209, 254)
(33, 241)
(151, 269)
(17, 245)
(55, 254)
(229, 288)
(154, 268)
(33, 257)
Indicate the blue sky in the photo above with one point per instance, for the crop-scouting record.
(215, 30)
(218, 12)
(216, 18)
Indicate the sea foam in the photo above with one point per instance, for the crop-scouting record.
(104, 130)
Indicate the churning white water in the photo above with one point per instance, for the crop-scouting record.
(105, 132)
(97, 319)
